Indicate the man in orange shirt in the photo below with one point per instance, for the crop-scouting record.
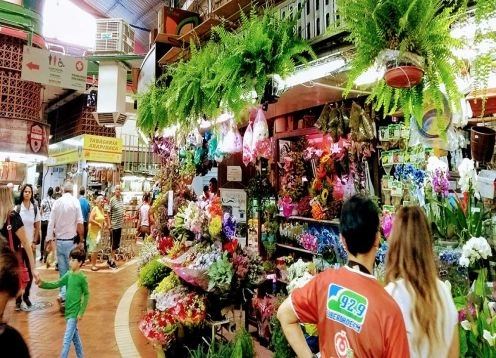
(355, 316)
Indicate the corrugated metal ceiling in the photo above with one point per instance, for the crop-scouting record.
(138, 13)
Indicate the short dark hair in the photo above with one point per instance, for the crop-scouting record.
(9, 270)
(359, 224)
(50, 191)
(78, 254)
(205, 188)
(146, 196)
(82, 191)
(213, 181)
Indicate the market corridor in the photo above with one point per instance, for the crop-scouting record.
(106, 326)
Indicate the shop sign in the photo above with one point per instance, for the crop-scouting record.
(102, 149)
(234, 173)
(23, 136)
(12, 172)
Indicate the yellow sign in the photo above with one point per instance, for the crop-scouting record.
(91, 148)
(102, 149)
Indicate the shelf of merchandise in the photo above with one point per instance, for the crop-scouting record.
(304, 218)
(294, 248)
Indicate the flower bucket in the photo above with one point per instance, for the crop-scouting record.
(482, 143)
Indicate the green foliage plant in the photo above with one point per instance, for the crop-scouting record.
(152, 274)
(240, 347)
(220, 274)
(221, 74)
(421, 27)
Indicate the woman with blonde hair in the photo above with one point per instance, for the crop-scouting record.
(95, 226)
(12, 226)
(428, 309)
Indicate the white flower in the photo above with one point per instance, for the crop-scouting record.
(466, 325)
(492, 308)
(468, 175)
(434, 163)
(490, 338)
(463, 261)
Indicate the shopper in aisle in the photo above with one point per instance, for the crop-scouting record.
(10, 339)
(57, 193)
(28, 210)
(428, 309)
(12, 226)
(65, 226)
(85, 209)
(45, 209)
(95, 227)
(116, 217)
(145, 218)
(213, 187)
(354, 314)
(77, 300)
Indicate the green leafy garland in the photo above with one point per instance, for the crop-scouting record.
(222, 74)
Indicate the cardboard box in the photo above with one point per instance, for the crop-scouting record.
(486, 182)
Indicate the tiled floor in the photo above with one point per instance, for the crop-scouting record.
(109, 329)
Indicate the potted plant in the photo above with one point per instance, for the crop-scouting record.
(151, 113)
(411, 33)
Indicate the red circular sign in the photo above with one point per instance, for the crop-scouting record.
(79, 65)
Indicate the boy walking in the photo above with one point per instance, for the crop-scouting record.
(77, 296)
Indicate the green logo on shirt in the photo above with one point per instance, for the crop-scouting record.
(346, 307)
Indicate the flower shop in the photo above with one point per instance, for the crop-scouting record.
(216, 273)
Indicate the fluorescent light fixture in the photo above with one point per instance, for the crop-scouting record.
(23, 157)
(372, 75)
(315, 70)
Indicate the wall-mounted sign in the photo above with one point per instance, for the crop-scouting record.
(23, 136)
(53, 68)
(234, 202)
(234, 173)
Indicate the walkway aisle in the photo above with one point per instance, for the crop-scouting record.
(44, 328)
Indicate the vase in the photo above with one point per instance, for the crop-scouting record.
(482, 143)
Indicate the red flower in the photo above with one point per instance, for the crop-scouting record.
(231, 246)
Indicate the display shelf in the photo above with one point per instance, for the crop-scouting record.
(304, 218)
(297, 133)
(200, 30)
(173, 55)
(294, 248)
(168, 39)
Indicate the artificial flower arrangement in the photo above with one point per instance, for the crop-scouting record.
(308, 242)
(292, 173)
(477, 315)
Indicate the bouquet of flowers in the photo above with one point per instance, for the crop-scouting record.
(164, 244)
(190, 217)
(148, 251)
(167, 284)
(308, 242)
(158, 327)
(220, 274)
(312, 152)
(166, 301)
(190, 309)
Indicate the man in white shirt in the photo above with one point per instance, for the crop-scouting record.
(66, 227)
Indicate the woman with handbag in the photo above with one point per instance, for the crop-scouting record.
(95, 226)
(12, 228)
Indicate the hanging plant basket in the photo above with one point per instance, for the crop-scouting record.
(403, 70)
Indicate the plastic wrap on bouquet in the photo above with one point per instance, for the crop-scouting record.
(196, 277)
(248, 156)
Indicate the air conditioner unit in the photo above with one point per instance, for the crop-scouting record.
(111, 100)
(114, 35)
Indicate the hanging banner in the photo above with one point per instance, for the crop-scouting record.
(102, 149)
(23, 136)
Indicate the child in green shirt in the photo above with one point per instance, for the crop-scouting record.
(77, 296)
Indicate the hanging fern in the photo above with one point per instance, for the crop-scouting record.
(151, 113)
(418, 26)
